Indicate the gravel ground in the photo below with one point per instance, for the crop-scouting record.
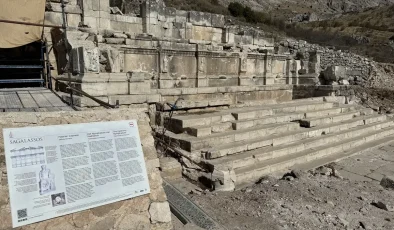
(313, 201)
(342, 195)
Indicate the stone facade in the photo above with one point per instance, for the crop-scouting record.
(144, 212)
(148, 57)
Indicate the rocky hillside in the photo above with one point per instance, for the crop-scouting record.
(369, 33)
(321, 8)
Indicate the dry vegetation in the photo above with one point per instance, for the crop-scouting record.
(366, 33)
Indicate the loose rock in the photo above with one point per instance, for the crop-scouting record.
(387, 182)
(296, 173)
(384, 206)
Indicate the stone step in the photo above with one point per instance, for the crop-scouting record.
(308, 123)
(245, 103)
(332, 111)
(191, 143)
(258, 112)
(255, 156)
(277, 118)
(344, 154)
(191, 120)
(286, 117)
(291, 136)
(206, 130)
(192, 104)
(250, 174)
(327, 119)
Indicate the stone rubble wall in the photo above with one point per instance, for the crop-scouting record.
(150, 211)
(359, 70)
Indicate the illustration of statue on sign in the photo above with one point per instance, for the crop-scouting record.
(47, 180)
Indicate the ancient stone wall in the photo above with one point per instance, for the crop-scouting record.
(149, 57)
(144, 212)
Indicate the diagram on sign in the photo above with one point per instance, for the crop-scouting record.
(27, 156)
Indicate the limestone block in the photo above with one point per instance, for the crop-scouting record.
(335, 73)
(139, 87)
(93, 22)
(218, 20)
(73, 20)
(53, 18)
(178, 46)
(105, 89)
(217, 35)
(85, 60)
(104, 23)
(104, 5)
(224, 180)
(200, 18)
(138, 76)
(202, 82)
(227, 36)
(141, 43)
(181, 16)
(95, 4)
(160, 212)
(189, 31)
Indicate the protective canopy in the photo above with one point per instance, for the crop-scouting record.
(14, 35)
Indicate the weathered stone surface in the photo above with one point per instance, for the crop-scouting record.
(335, 73)
(105, 224)
(160, 212)
(104, 210)
(81, 219)
(134, 222)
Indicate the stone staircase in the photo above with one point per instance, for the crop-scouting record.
(239, 145)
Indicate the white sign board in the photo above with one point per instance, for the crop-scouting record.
(57, 170)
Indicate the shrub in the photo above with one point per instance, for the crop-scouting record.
(338, 24)
(236, 9)
(353, 24)
(250, 15)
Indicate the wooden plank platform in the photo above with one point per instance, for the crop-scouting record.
(30, 100)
